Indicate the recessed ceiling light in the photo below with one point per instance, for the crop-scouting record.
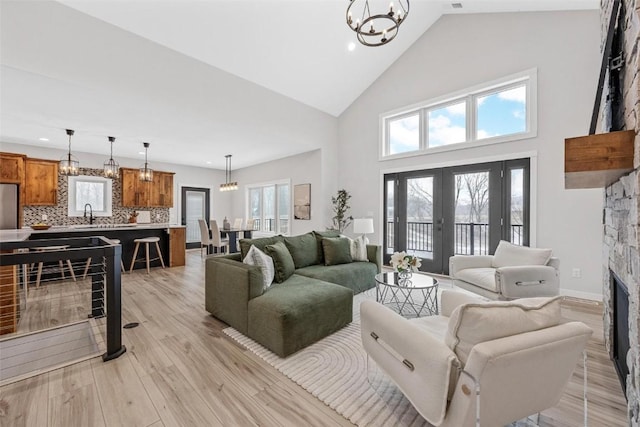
(141, 152)
(351, 46)
(43, 139)
(208, 162)
(456, 5)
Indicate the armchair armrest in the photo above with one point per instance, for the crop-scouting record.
(452, 299)
(462, 262)
(527, 281)
(419, 363)
(229, 285)
(374, 254)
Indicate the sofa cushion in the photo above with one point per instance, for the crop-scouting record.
(303, 249)
(507, 254)
(264, 261)
(319, 235)
(471, 324)
(337, 250)
(484, 278)
(357, 276)
(296, 313)
(282, 261)
(260, 243)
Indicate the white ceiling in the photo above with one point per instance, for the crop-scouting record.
(53, 78)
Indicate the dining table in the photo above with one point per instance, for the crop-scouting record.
(233, 233)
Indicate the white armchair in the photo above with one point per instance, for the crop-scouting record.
(513, 272)
(510, 359)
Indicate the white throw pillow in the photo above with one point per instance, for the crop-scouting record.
(256, 257)
(507, 255)
(357, 248)
(470, 324)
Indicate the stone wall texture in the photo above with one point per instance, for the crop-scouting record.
(57, 215)
(621, 249)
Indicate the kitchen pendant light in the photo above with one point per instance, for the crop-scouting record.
(111, 167)
(69, 165)
(146, 173)
(228, 185)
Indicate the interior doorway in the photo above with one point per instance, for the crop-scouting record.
(195, 205)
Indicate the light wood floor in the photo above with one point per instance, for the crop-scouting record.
(180, 369)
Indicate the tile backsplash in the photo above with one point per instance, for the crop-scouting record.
(57, 215)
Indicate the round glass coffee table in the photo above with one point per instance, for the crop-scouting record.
(413, 297)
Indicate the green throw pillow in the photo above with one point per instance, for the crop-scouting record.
(319, 236)
(337, 250)
(260, 243)
(282, 261)
(303, 249)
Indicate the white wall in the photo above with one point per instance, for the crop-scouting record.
(462, 51)
(184, 175)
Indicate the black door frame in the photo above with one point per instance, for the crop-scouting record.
(183, 208)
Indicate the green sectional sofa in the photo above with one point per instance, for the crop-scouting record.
(311, 301)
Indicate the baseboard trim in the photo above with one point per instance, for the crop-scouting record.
(581, 295)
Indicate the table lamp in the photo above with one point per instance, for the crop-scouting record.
(363, 226)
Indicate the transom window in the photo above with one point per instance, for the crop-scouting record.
(499, 111)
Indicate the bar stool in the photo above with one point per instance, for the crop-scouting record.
(146, 241)
(41, 263)
(86, 267)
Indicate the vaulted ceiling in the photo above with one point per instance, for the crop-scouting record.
(198, 79)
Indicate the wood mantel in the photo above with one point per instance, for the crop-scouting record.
(596, 161)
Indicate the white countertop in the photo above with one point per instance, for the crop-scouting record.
(24, 233)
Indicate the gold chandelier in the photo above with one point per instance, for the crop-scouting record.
(378, 28)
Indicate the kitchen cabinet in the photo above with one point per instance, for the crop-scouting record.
(177, 246)
(41, 182)
(136, 193)
(162, 189)
(11, 168)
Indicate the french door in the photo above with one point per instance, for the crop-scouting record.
(466, 210)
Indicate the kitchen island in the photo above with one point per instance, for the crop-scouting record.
(172, 238)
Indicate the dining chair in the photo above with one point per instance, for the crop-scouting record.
(237, 223)
(250, 223)
(205, 238)
(216, 240)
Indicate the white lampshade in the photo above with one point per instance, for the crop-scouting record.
(363, 225)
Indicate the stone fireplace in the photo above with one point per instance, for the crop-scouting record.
(621, 248)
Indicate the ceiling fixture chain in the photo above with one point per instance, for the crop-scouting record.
(379, 28)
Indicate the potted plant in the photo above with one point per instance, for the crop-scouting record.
(340, 207)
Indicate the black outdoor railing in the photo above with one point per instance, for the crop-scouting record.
(270, 225)
(469, 238)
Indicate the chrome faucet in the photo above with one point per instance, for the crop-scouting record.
(90, 212)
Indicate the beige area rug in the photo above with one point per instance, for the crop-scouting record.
(336, 371)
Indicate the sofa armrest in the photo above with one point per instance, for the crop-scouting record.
(374, 254)
(452, 299)
(414, 359)
(462, 262)
(229, 285)
(527, 281)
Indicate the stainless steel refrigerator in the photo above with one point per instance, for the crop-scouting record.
(8, 206)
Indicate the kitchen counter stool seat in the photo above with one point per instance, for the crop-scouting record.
(86, 267)
(61, 265)
(147, 241)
